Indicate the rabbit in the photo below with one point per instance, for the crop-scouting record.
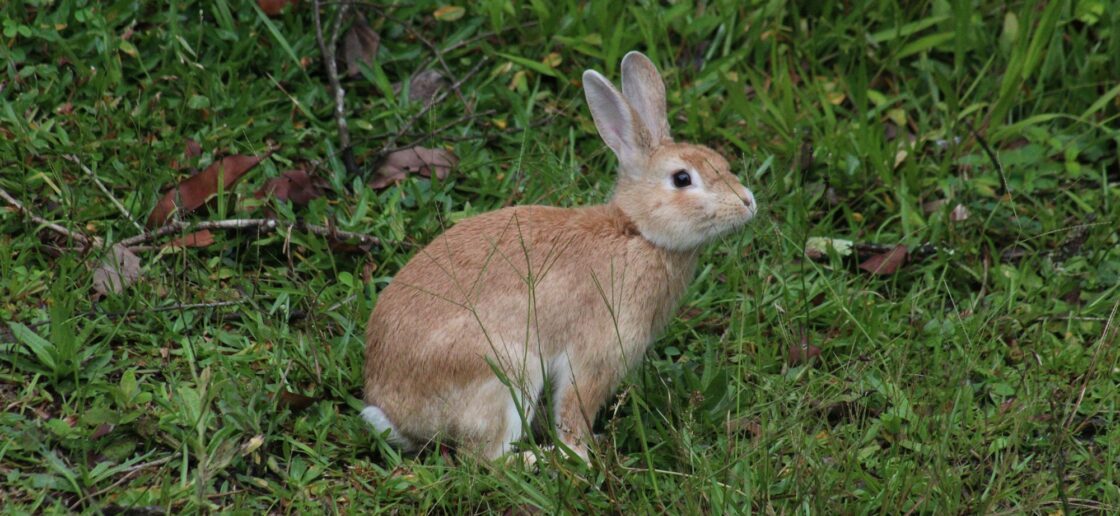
(465, 339)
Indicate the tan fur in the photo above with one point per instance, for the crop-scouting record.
(552, 298)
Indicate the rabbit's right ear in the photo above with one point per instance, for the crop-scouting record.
(613, 118)
(644, 88)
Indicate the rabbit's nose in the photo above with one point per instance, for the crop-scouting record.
(747, 198)
(748, 202)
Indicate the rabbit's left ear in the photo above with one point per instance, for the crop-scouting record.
(645, 91)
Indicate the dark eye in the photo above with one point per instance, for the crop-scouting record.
(682, 178)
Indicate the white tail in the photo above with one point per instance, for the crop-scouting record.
(374, 416)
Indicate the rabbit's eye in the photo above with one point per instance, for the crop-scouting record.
(681, 179)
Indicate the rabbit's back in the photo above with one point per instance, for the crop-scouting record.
(514, 288)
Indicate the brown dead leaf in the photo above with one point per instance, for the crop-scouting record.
(1073, 297)
(194, 191)
(274, 7)
(294, 185)
(801, 353)
(119, 269)
(192, 149)
(294, 401)
(886, 263)
(202, 238)
(744, 424)
(101, 431)
(449, 13)
(359, 46)
(415, 160)
(959, 213)
(425, 85)
(367, 272)
(932, 206)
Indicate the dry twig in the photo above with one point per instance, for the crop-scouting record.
(104, 190)
(259, 224)
(73, 235)
(330, 62)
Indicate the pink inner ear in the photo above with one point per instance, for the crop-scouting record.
(612, 114)
(645, 90)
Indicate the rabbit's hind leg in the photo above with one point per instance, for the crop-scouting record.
(492, 427)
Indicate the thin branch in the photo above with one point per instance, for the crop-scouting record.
(1105, 341)
(130, 313)
(129, 474)
(89, 241)
(259, 224)
(97, 181)
(330, 62)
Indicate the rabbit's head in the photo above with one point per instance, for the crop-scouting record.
(678, 195)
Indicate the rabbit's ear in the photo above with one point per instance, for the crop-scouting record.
(614, 118)
(645, 91)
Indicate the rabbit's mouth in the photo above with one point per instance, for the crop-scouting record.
(716, 225)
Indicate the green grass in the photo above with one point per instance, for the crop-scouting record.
(979, 378)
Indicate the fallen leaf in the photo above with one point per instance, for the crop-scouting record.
(274, 7)
(101, 431)
(359, 46)
(192, 149)
(294, 185)
(886, 263)
(119, 269)
(898, 116)
(367, 272)
(445, 452)
(295, 401)
(201, 238)
(959, 213)
(194, 191)
(449, 13)
(552, 60)
(932, 206)
(425, 85)
(416, 160)
(802, 352)
(744, 424)
(1073, 297)
(817, 247)
(252, 444)
(901, 155)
